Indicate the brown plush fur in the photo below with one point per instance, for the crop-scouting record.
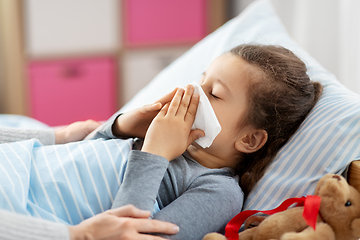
(338, 220)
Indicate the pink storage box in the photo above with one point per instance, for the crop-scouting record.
(159, 22)
(65, 91)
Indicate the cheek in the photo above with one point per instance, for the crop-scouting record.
(227, 116)
(219, 114)
(229, 127)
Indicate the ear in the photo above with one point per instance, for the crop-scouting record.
(251, 140)
(355, 227)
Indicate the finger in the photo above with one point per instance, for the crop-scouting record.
(156, 226)
(129, 211)
(195, 134)
(167, 98)
(175, 102)
(191, 112)
(185, 101)
(164, 110)
(150, 108)
(155, 107)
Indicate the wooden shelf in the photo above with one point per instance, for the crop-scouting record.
(13, 93)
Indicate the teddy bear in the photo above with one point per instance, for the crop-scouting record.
(338, 217)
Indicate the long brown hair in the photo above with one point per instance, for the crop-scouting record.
(278, 103)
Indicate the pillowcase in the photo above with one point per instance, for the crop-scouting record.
(326, 142)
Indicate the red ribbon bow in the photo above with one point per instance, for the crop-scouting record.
(311, 205)
(311, 210)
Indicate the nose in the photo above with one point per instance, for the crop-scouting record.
(202, 86)
(337, 177)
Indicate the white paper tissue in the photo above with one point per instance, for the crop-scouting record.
(205, 119)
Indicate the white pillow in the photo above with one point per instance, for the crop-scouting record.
(327, 141)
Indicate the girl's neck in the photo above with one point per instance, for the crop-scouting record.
(204, 158)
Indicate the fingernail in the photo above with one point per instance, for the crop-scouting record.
(176, 229)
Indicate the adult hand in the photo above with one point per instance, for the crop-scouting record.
(170, 132)
(127, 222)
(75, 132)
(136, 122)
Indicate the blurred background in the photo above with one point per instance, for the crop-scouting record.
(67, 60)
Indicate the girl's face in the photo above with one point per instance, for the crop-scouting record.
(225, 83)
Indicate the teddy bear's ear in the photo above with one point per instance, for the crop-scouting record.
(355, 227)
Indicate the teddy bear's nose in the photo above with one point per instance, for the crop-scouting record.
(337, 177)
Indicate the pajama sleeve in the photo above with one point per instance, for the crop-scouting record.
(105, 129)
(206, 205)
(142, 180)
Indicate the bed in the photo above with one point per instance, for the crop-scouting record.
(328, 141)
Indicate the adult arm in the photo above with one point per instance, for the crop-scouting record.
(126, 222)
(122, 223)
(45, 136)
(48, 136)
(15, 226)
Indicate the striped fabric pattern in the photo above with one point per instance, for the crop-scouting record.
(62, 183)
(326, 142)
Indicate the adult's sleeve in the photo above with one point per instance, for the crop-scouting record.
(15, 226)
(45, 136)
(142, 180)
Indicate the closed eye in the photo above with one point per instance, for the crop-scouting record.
(214, 96)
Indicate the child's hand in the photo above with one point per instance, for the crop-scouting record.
(170, 132)
(75, 132)
(136, 122)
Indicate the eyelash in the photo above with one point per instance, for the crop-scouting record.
(216, 97)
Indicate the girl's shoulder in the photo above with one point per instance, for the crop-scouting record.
(193, 175)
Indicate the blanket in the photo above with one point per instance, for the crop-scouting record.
(64, 183)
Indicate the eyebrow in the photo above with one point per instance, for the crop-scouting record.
(220, 82)
(223, 84)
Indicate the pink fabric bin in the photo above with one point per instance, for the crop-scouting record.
(162, 22)
(65, 91)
